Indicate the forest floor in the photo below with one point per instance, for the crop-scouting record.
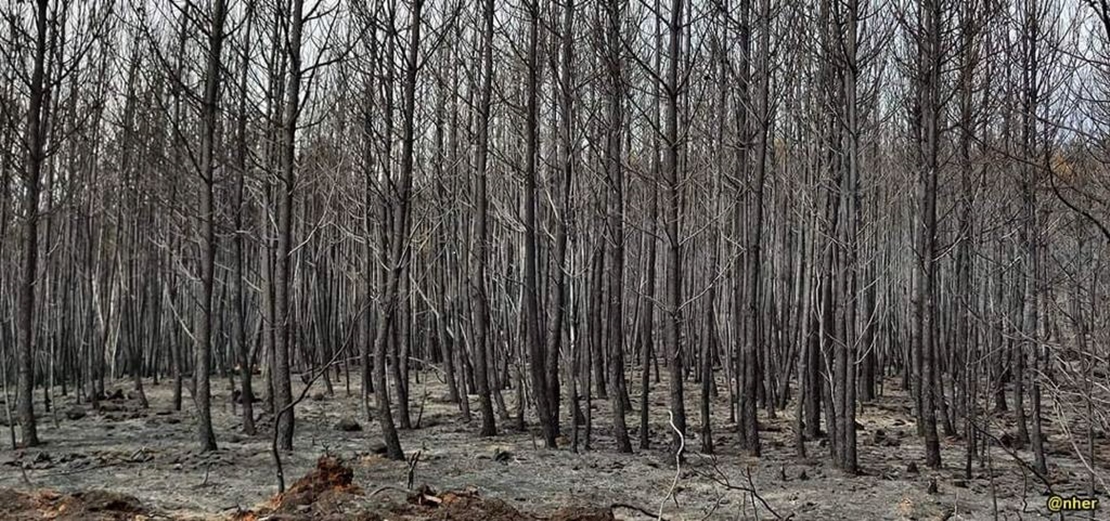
(151, 456)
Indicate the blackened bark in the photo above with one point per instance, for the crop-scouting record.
(672, 212)
(478, 281)
(34, 139)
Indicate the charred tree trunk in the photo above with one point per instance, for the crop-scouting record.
(672, 182)
(34, 139)
(478, 282)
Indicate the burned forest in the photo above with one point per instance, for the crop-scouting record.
(554, 259)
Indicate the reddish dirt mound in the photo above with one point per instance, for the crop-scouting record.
(91, 505)
(456, 505)
(329, 481)
(327, 493)
(324, 493)
(462, 506)
(20, 506)
(99, 504)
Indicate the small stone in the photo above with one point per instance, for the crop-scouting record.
(317, 397)
(348, 425)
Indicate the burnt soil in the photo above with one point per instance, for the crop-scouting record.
(126, 462)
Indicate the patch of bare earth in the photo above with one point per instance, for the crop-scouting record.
(88, 505)
(150, 456)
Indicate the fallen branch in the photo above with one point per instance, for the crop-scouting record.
(719, 477)
(752, 491)
(1013, 454)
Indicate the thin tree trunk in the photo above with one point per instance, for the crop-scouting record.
(34, 137)
(478, 282)
(283, 318)
(672, 211)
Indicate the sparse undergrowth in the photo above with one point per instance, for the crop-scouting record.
(132, 463)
